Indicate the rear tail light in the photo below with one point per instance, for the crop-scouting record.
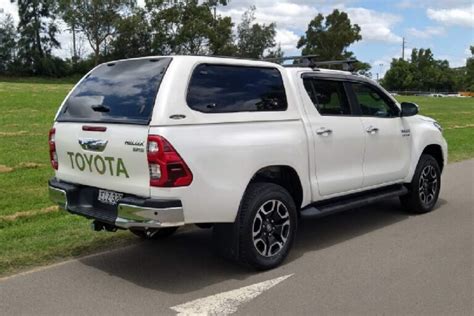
(167, 168)
(53, 157)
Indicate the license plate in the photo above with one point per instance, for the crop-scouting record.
(109, 197)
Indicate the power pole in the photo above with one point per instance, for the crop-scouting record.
(403, 49)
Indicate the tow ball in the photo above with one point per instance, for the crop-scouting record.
(98, 226)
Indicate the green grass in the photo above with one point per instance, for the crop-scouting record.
(32, 80)
(27, 111)
(32, 233)
(456, 116)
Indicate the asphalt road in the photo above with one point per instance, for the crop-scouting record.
(374, 260)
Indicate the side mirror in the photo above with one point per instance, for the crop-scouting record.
(409, 109)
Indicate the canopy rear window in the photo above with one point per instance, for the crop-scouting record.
(116, 92)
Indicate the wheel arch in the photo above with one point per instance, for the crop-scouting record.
(283, 175)
(436, 152)
(427, 145)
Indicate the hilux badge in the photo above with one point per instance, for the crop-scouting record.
(134, 143)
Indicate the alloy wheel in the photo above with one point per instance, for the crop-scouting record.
(271, 228)
(428, 184)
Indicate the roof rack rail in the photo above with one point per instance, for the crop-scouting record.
(347, 64)
(308, 61)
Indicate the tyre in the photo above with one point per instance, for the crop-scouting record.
(266, 226)
(423, 191)
(156, 233)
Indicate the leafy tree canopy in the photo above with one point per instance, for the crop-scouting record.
(469, 79)
(37, 35)
(421, 73)
(254, 38)
(7, 42)
(95, 18)
(330, 37)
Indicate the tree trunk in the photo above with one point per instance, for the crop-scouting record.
(97, 51)
(74, 51)
(38, 37)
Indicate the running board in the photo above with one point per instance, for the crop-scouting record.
(338, 204)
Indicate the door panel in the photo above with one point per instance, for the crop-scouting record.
(339, 155)
(387, 149)
(338, 138)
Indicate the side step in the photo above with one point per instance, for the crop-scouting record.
(338, 204)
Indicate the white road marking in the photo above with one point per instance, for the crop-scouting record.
(227, 302)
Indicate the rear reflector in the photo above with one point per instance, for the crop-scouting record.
(167, 168)
(53, 157)
(94, 128)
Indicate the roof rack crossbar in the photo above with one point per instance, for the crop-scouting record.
(347, 64)
(305, 60)
(308, 61)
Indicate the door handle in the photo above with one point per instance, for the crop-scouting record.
(372, 130)
(323, 131)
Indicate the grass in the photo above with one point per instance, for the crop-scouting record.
(456, 116)
(33, 232)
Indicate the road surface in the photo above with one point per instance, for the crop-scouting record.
(369, 261)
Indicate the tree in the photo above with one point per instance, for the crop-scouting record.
(133, 36)
(275, 53)
(329, 38)
(254, 39)
(96, 19)
(221, 37)
(68, 11)
(399, 76)
(469, 78)
(7, 43)
(37, 31)
(189, 27)
(421, 73)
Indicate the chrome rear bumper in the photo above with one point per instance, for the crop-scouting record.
(130, 211)
(130, 216)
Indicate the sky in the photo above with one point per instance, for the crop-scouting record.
(445, 26)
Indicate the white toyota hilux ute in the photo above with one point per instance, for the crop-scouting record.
(245, 147)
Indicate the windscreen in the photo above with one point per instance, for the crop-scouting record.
(116, 92)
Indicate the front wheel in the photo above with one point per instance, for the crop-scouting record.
(423, 191)
(267, 225)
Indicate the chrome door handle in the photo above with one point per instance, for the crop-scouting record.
(372, 130)
(323, 131)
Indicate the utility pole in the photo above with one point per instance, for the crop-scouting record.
(403, 49)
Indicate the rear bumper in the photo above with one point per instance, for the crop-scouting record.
(130, 211)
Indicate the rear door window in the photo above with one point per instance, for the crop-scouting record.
(117, 92)
(224, 89)
(328, 96)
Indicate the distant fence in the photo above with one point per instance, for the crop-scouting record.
(434, 93)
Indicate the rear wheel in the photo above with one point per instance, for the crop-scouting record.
(423, 191)
(264, 229)
(154, 233)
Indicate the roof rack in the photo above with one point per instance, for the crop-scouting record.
(308, 61)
